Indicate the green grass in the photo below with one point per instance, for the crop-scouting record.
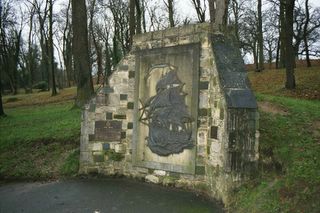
(39, 123)
(289, 178)
(71, 164)
(35, 141)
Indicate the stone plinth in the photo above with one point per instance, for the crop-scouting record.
(178, 111)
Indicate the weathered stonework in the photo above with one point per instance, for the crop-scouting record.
(225, 115)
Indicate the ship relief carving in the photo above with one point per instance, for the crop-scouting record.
(166, 113)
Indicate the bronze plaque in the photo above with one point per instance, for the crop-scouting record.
(108, 130)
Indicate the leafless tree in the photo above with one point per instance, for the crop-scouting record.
(2, 114)
(11, 32)
(306, 22)
(67, 47)
(219, 12)
(260, 37)
(81, 52)
(212, 10)
(290, 78)
(51, 50)
(170, 7)
(200, 9)
(132, 19)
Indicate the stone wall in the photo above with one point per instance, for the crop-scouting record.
(226, 143)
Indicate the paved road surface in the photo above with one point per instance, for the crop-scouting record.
(100, 196)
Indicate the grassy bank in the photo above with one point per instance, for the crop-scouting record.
(39, 141)
(289, 177)
(39, 98)
(272, 82)
(289, 166)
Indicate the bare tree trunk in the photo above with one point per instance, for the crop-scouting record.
(15, 61)
(132, 21)
(29, 63)
(221, 14)
(138, 18)
(143, 14)
(2, 59)
(51, 49)
(226, 13)
(212, 10)
(91, 13)
(305, 34)
(42, 16)
(307, 52)
(107, 63)
(98, 48)
(201, 12)
(116, 52)
(67, 48)
(290, 79)
(235, 8)
(260, 36)
(171, 11)
(255, 56)
(270, 54)
(278, 54)
(81, 52)
(2, 114)
(282, 35)
(68, 63)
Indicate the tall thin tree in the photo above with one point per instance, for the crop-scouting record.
(283, 29)
(305, 33)
(2, 114)
(51, 49)
(260, 37)
(67, 48)
(132, 20)
(143, 15)
(212, 10)
(42, 13)
(29, 64)
(139, 10)
(200, 9)
(170, 6)
(81, 52)
(219, 12)
(290, 78)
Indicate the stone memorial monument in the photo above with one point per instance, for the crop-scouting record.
(178, 110)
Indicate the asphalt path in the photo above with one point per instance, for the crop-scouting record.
(100, 196)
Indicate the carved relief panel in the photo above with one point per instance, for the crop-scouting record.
(166, 100)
